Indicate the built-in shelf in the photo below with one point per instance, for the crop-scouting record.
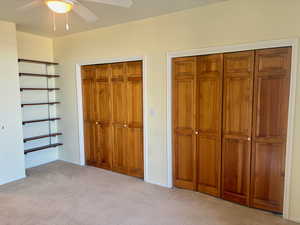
(38, 75)
(41, 137)
(41, 103)
(42, 148)
(39, 89)
(42, 120)
(37, 62)
(47, 102)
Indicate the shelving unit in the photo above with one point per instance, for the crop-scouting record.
(42, 148)
(40, 103)
(42, 120)
(37, 75)
(39, 89)
(40, 139)
(38, 62)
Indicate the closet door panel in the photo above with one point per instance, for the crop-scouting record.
(237, 106)
(269, 176)
(209, 163)
(184, 161)
(135, 102)
(88, 76)
(273, 107)
(209, 106)
(209, 117)
(103, 145)
(102, 105)
(237, 124)
(102, 114)
(272, 81)
(120, 157)
(236, 168)
(119, 117)
(184, 141)
(135, 119)
(136, 154)
(119, 101)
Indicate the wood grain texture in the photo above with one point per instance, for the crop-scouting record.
(88, 74)
(119, 117)
(184, 122)
(209, 123)
(102, 118)
(237, 124)
(113, 116)
(230, 114)
(272, 84)
(134, 93)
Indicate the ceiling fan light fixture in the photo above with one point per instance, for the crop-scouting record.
(59, 6)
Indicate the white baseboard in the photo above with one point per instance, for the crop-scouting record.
(67, 161)
(297, 220)
(12, 180)
(157, 183)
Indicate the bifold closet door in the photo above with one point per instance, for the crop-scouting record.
(88, 76)
(272, 84)
(237, 124)
(102, 116)
(209, 123)
(135, 150)
(119, 117)
(184, 122)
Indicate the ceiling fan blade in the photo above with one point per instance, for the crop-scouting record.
(30, 5)
(85, 13)
(121, 3)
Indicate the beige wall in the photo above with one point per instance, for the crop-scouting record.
(34, 47)
(228, 23)
(11, 137)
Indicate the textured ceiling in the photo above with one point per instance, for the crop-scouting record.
(39, 20)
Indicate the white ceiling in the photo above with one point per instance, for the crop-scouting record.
(39, 20)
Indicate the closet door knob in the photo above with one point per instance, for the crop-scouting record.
(125, 125)
(196, 132)
(97, 123)
(249, 138)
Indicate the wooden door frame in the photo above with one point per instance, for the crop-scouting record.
(292, 100)
(145, 106)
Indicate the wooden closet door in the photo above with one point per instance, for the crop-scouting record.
(119, 117)
(135, 151)
(184, 110)
(272, 81)
(88, 76)
(209, 123)
(102, 109)
(237, 124)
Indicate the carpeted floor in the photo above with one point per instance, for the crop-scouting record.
(64, 194)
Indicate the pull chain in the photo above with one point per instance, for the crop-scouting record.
(67, 22)
(54, 22)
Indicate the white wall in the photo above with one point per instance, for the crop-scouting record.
(227, 23)
(11, 137)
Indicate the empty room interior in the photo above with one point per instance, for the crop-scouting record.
(139, 112)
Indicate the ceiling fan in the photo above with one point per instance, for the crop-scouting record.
(66, 6)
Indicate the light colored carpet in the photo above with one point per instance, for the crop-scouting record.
(64, 194)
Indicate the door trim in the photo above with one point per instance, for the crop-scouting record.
(145, 106)
(292, 100)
